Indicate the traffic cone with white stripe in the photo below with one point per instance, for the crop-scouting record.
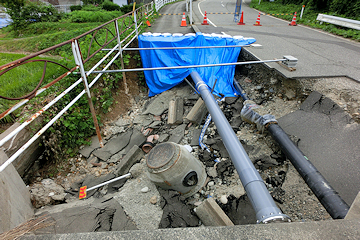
(241, 22)
(293, 22)
(183, 21)
(205, 22)
(147, 21)
(258, 21)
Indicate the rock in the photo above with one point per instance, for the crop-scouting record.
(210, 184)
(211, 171)
(153, 200)
(231, 100)
(145, 189)
(223, 199)
(45, 193)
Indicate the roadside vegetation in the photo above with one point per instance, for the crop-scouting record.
(341, 8)
(28, 34)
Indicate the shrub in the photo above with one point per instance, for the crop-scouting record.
(110, 6)
(75, 8)
(126, 8)
(91, 8)
(99, 16)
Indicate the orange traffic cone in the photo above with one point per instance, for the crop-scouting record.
(293, 22)
(183, 21)
(147, 21)
(205, 22)
(241, 19)
(258, 21)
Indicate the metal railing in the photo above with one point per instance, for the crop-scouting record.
(117, 34)
(160, 3)
(344, 22)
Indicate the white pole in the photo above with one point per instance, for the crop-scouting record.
(259, 2)
(302, 11)
(110, 181)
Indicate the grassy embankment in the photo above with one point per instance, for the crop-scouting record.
(309, 17)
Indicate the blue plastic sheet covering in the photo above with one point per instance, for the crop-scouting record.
(159, 81)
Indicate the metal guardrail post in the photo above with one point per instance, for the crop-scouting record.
(78, 61)
(261, 200)
(121, 55)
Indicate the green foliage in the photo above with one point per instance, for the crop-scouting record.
(309, 16)
(75, 8)
(126, 8)
(88, 16)
(91, 8)
(110, 6)
(28, 12)
(95, 2)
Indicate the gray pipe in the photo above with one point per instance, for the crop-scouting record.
(261, 200)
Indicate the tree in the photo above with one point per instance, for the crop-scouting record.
(13, 8)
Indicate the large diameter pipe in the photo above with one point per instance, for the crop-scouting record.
(261, 200)
(328, 197)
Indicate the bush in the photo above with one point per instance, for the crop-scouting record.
(39, 12)
(91, 8)
(75, 8)
(126, 8)
(99, 16)
(110, 6)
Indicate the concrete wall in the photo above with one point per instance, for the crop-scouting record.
(23, 162)
(15, 205)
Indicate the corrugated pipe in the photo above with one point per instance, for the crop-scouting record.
(328, 197)
(261, 200)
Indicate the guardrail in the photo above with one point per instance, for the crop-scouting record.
(160, 3)
(344, 22)
(117, 34)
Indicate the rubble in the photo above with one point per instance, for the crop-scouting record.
(147, 207)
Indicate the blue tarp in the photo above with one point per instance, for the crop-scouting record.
(162, 80)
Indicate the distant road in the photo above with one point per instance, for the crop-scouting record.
(171, 23)
(320, 54)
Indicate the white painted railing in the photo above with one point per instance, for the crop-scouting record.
(344, 22)
(160, 3)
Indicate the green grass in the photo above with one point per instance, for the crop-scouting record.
(23, 79)
(309, 17)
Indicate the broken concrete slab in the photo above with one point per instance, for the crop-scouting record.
(197, 112)
(176, 213)
(211, 214)
(330, 141)
(136, 203)
(133, 156)
(143, 120)
(177, 134)
(113, 146)
(159, 104)
(176, 110)
(195, 137)
(92, 215)
(87, 150)
(354, 211)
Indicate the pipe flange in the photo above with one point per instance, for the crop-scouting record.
(279, 218)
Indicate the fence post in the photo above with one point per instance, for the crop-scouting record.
(79, 62)
(121, 56)
(302, 11)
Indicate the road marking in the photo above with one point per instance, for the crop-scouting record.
(222, 5)
(203, 14)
